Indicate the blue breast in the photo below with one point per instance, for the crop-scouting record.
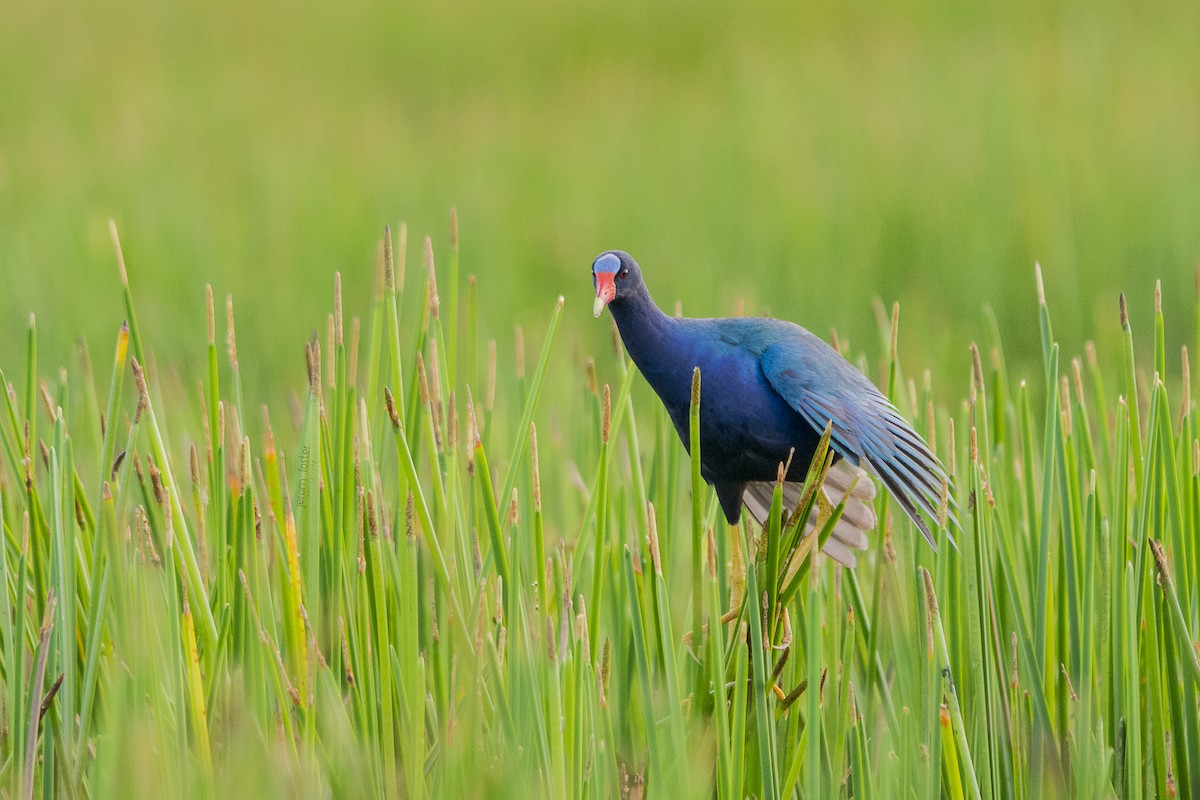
(746, 428)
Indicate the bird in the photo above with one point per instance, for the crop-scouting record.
(769, 390)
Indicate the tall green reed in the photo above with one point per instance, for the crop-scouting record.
(442, 577)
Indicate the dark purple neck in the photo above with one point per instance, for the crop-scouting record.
(651, 339)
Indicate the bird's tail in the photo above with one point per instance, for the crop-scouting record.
(859, 516)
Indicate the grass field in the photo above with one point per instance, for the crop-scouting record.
(807, 157)
(416, 591)
(256, 578)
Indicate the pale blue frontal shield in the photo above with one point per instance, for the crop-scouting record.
(606, 262)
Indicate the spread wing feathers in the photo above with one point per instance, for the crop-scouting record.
(867, 430)
(849, 534)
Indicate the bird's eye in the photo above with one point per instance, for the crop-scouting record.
(625, 273)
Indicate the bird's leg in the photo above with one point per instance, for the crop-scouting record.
(737, 569)
(777, 671)
(737, 584)
(737, 577)
(786, 641)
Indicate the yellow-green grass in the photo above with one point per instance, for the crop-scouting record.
(441, 574)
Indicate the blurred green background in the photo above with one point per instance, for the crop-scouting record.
(806, 156)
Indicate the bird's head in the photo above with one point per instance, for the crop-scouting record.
(615, 275)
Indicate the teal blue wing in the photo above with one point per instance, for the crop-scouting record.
(866, 430)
